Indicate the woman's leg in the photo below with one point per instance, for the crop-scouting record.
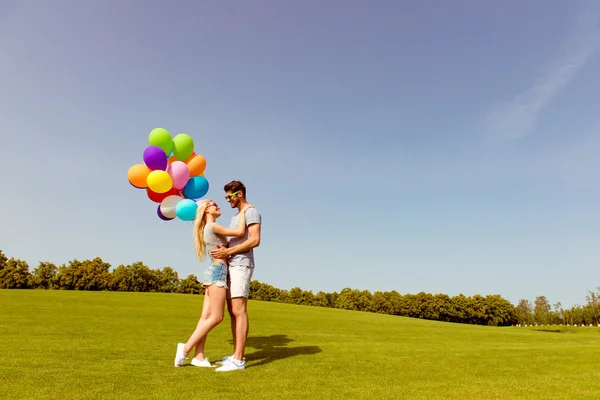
(199, 351)
(217, 296)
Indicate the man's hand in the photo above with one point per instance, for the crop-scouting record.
(220, 252)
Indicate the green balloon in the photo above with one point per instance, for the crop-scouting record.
(183, 146)
(161, 137)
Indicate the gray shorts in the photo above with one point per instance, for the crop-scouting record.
(238, 281)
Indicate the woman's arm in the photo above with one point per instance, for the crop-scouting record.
(239, 231)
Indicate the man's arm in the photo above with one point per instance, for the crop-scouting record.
(248, 244)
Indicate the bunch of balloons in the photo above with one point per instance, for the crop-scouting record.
(172, 175)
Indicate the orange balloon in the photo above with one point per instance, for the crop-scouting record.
(190, 157)
(196, 165)
(171, 159)
(137, 175)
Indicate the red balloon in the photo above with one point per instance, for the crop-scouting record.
(159, 197)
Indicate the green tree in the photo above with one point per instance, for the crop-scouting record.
(559, 314)
(322, 299)
(168, 280)
(84, 275)
(381, 302)
(333, 298)
(541, 309)
(14, 273)
(499, 311)
(190, 285)
(255, 287)
(593, 300)
(3, 260)
(122, 279)
(409, 306)
(575, 315)
(399, 305)
(524, 312)
(588, 315)
(284, 297)
(352, 299)
(144, 278)
(424, 306)
(303, 297)
(264, 291)
(136, 277)
(44, 276)
(443, 307)
(479, 307)
(464, 309)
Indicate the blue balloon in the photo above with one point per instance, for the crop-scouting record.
(196, 187)
(186, 209)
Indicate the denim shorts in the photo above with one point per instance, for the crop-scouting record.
(216, 274)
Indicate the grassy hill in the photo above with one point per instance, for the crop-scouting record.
(110, 345)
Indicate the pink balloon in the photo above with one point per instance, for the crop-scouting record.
(179, 171)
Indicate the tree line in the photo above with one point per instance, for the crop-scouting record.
(542, 313)
(494, 310)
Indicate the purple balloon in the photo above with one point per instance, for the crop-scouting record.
(155, 158)
(161, 215)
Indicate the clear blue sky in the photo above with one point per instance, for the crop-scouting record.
(446, 147)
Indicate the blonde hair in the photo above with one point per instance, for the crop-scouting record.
(199, 224)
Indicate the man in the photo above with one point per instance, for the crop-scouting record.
(240, 254)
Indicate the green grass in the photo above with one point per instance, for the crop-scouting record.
(90, 345)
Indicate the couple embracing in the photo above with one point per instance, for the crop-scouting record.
(227, 279)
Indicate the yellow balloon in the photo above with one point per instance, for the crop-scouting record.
(159, 181)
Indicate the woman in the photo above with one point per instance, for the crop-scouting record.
(207, 235)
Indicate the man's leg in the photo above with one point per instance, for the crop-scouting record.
(233, 321)
(240, 315)
(237, 307)
(240, 291)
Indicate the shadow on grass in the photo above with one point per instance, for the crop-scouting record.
(272, 348)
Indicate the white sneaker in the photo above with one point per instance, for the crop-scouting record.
(232, 365)
(179, 357)
(203, 363)
(225, 359)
